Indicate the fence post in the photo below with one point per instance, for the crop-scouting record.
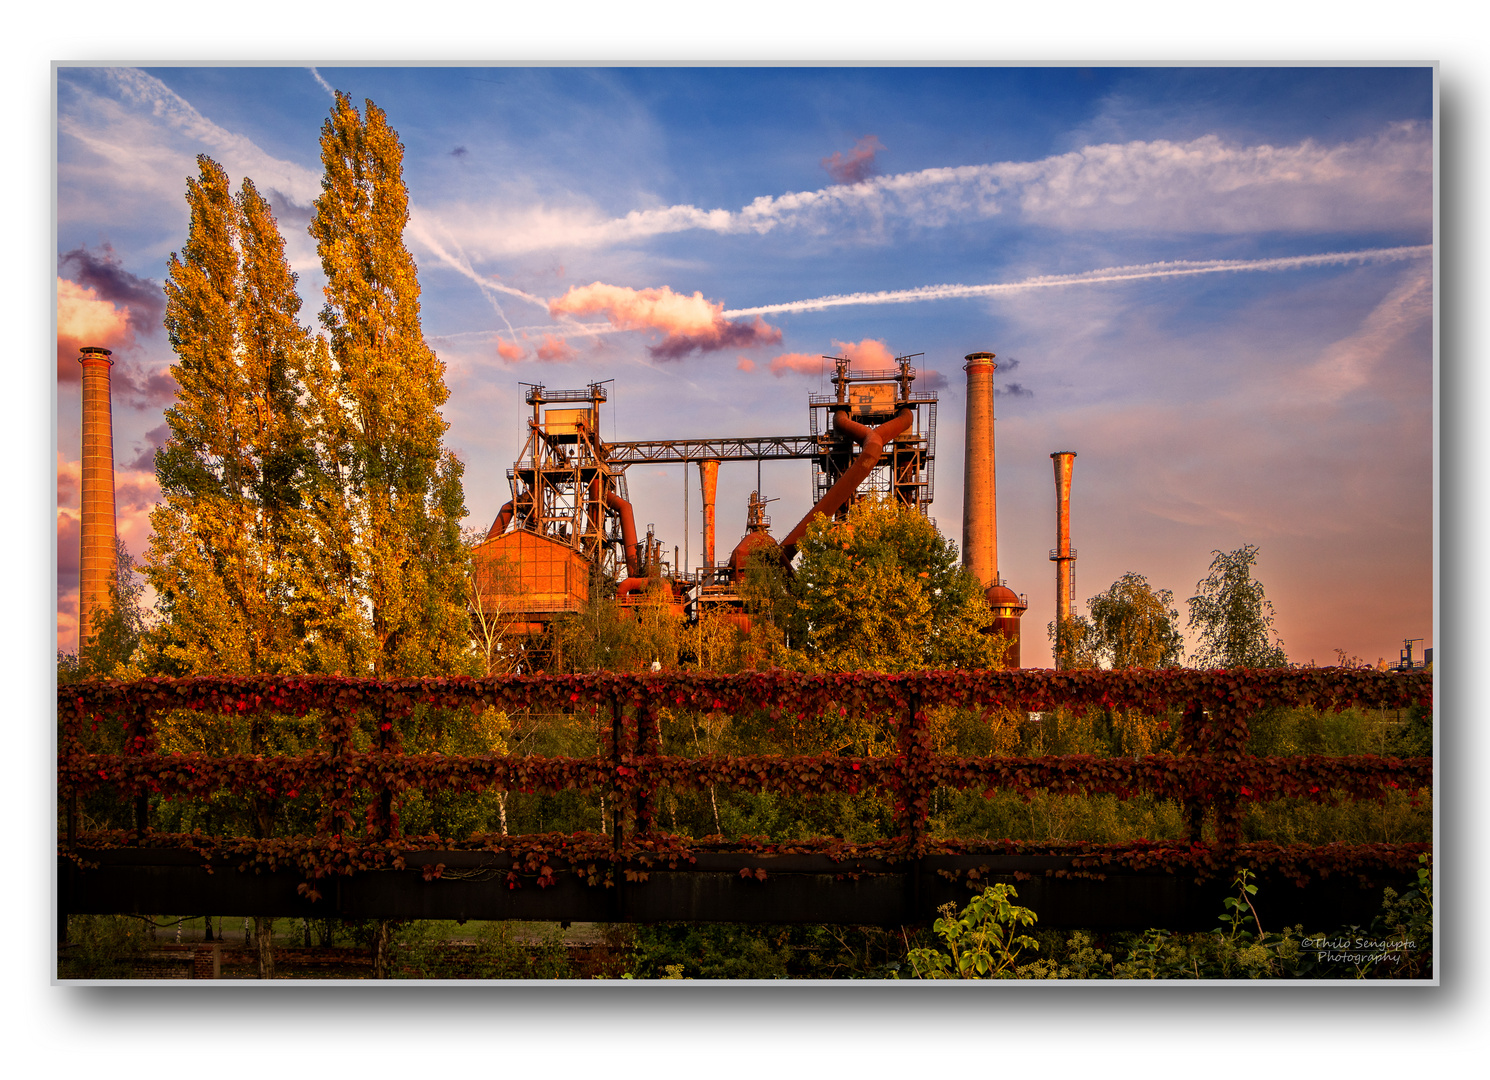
(1229, 732)
(1193, 735)
(914, 800)
(139, 740)
(617, 739)
(646, 736)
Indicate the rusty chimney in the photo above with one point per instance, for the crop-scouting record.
(979, 505)
(97, 562)
(1063, 555)
(708, 475)
(980, 549)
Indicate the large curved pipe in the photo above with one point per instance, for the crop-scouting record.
(504, 516)
(853, 476)
(628, 530)
(631, 585)
(852, 428)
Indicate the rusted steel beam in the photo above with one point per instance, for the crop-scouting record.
(759, 448)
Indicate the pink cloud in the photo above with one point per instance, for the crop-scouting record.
(69, 482)
(69, 537)
(745, 364)
(555, 350)
(799, 363)
(690, 323)
(857, 165)
(509, 351)
(868, 353)
(83, 318)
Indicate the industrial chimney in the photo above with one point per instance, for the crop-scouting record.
(1064, 555)
(708, 474)
(980, 504)
(97, 562)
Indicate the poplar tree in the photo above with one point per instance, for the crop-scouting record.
(395, 520)
(233, 558)
(229, 546)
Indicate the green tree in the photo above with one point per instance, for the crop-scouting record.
(120, 628)
(1130, 625)
(883, 590)
(230, 539)
(394, 522)
(1233, 616)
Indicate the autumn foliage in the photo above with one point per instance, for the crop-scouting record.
(354, 769)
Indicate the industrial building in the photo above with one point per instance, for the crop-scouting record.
(569, 527)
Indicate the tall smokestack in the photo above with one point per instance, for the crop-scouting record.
(98, 561)
(979, 505)
(708, 475)
(980, 541)
(1064, 555)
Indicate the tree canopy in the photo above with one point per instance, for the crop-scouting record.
(1233, 616)
(883, 590)
(1129, 625)
(231, 540)
(396, 519)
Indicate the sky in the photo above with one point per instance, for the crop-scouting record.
(1215, 285)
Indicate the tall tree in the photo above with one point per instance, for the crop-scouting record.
(229, 541)
(1233, 616)
(232, 555)
(396, 519)
(1133, 625)
(882, 590)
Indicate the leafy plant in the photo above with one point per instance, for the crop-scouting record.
(101, 947)
(982, 943)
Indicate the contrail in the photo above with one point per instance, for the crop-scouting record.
(1179, 268)
(326, 86)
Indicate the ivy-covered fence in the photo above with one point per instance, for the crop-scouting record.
(347, 782)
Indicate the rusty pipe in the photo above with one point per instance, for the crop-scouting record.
(852, 428)
(630, 585)
(853, 476)
(504, 517)
(628, 530)
(708, 473)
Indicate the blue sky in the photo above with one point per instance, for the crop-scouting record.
(1257, 367)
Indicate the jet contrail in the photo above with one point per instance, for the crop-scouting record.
(1179, 268)
(326, 86)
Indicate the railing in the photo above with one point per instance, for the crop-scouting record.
(348, 783)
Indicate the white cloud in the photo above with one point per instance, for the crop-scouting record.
(1349, 364)
(144, 138)
(1204, 185)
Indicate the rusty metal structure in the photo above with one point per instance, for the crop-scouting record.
(903, 470)
(97, 562)
(1063, 554)
(570, 522)
(569, 527)
(980, 504)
